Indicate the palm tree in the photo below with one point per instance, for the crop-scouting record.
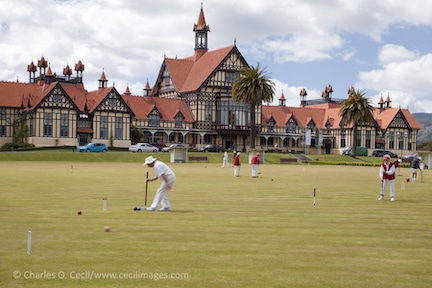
(253, 86)
(356, 110)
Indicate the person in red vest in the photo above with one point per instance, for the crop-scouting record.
(255, 161)
(387, 173)
(236, 164)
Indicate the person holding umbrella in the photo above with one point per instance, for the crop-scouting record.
(387, 173)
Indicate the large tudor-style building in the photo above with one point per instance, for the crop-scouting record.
(190, 103)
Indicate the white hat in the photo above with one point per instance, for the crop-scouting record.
(149, 160)
(386, 157)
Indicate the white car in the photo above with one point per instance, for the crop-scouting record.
(143, 147)
(167, 149)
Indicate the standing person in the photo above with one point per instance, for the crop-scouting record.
(255, 161)
(225, 160)
(236, 164)
(415, 164)
(168, 179)
(387, 174)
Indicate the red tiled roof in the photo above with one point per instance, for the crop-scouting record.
(188, 75)
(322, 113)
(141, 106)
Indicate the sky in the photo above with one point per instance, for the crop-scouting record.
(380, 47)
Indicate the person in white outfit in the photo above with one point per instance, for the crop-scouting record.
(225, 160)
(168, 179)
(387, 173)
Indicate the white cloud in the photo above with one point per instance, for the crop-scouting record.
(128, 40)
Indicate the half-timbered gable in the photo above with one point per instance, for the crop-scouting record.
(110, 116)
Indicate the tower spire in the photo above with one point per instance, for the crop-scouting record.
(201, 30)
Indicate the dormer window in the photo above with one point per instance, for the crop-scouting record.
(154, 119)
(270, 125)
(291, 126)
(179, 120)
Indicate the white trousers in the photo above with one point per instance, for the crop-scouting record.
(254, 170)
(392, 187)
(236, 171)
(225, 163)
(161, 196)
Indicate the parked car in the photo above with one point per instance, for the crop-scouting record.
(93, 147)
(382, 152)
(360, 151)
(378, 153)
(167, 149)
(143, 147)
(212, 148)
(160, 146)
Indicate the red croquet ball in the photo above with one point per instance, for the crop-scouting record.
(79, 212)
(407, 180)
(107, 228)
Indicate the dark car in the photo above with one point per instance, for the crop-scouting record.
(391, 154)
(378, 153)
(212, 148)
(382, 152)
(160, 146)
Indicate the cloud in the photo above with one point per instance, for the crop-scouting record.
(128, 39)
(403, 75)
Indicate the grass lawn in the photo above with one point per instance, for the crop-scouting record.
(223, 231)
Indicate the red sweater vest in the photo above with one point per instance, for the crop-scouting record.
(385, 175)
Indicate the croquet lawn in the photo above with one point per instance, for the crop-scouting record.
(223, 231)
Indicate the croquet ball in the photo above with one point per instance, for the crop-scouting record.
(79, 212)
(272, 179)
(107, 228)
(407, 179)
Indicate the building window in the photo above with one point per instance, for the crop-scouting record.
(64, 125)
(2, 130)
(84, 121)
(57, 98)
(391, 140)
(208, 110)
(118, 128)
(232, 113)
(112, 102)
(291, 126)
(401, 140)
(230, 76)
(343, 137)
(311, 126)
(270, 125)
(104, 127)
(368, 139)
(154, 119)
(48, 117)
(179, 120)
(328, 128)
(2, 113)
